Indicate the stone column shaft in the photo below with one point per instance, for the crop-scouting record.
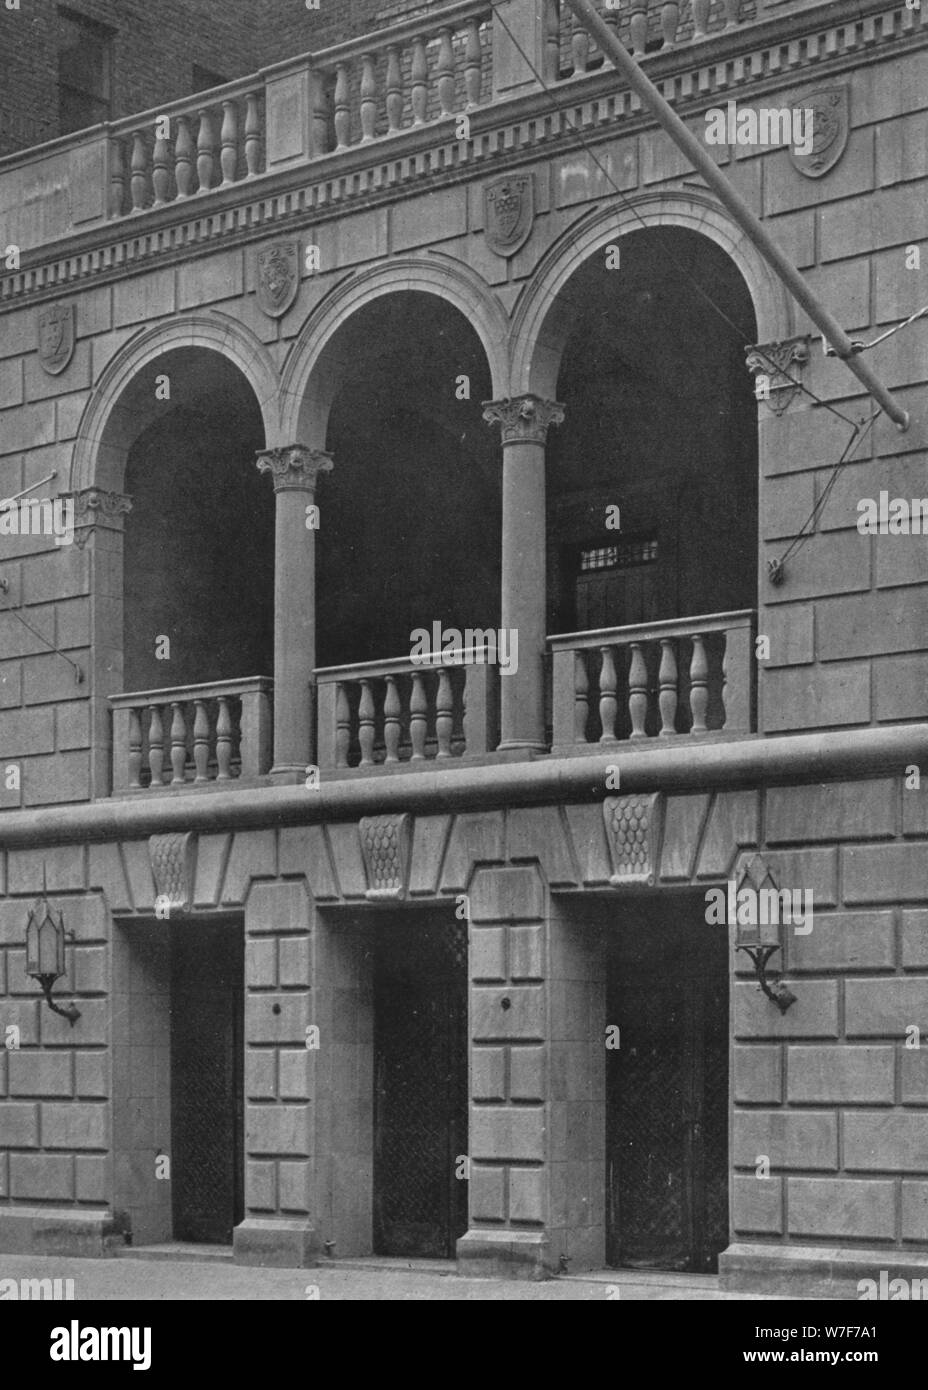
(524, 421)
(295, 471)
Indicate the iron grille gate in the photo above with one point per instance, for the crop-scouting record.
(206, 1081)
(420, 1102)
(667, 1094)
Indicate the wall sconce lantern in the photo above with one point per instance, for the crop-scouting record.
(757, 932)
(45, 962)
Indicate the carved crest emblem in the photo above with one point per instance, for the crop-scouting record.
(831, 125)
(278, 277)
(509, 212)
(56, 337)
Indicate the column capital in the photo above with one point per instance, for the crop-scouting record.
(96, 508)
(295, 467)
(523, 419)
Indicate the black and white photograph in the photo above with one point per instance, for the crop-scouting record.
(464, 665)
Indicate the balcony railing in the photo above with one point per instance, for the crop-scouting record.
(658, 680)
(391, 712)
(644, 26)
(193, 734)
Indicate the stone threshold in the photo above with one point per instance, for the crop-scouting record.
(177, 1250)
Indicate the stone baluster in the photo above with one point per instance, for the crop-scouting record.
(731, 12)
(201, 741)
(135, 748)
(552, 20)
(444, 73)
(699, 685)
(444, 713)
(156, 747)
(525, 421)
(252, 136)
(224, 741)
(183, 158)
(637, 691)
(579, 46)
(638, 26)
(608, 702)
(391, 721)
(368, 98)
(418, 716)
(700, 18)
(295, 470)
(366, 724)
(178, 743)
(319, 115)
(205, 147)
(228, 137)
(667, 679)
(419, 78)
(342, 725)
(473, 65)
(394, 90)
(581, 697)
(670, 22)
(161, 171)
(342, 107)
(139, 179)
(117, 178)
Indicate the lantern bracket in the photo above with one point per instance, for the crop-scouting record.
(71, 1013)
(775, 990)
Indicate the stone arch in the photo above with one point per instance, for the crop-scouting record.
(310, 377)
(107, 428)
(540, 327)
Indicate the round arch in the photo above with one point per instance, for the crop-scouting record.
(540, 329)
(311, 376)
(107, 428)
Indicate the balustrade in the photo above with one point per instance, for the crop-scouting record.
(644, 26)
(659, 680)
(194, 734)
(392, 712)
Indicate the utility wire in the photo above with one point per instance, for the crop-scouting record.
(78, 673)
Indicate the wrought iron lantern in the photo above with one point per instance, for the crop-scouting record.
(759, 938)
(45, 948)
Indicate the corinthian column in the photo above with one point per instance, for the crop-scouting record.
(295, 471)
(524, 421)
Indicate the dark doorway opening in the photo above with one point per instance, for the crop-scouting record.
(420, 1086)
(207, 1020)
(667, 1087)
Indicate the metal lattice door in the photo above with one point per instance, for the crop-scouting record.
(206, 1081)
(420, 1115)
(667, 1093)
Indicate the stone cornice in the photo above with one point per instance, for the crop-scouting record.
(689, 764)
(760, 57)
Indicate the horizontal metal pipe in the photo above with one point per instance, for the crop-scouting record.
(729, 196)
(666, 765)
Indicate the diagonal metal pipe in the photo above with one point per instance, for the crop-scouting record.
(702, 161)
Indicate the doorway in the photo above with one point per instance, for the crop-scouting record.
(667, 1087)
(207, 1018)
(420, 1085)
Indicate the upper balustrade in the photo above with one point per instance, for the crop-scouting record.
(400, 89)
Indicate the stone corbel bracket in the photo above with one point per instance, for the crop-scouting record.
(773, 361)
(173, 867)
(633, 825)
(385, 844)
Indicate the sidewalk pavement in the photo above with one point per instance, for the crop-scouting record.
(165, 1274)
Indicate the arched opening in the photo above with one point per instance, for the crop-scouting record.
(199, 541)
(652, 478)
(416, 485)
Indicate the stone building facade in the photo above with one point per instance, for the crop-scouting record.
(377, 956)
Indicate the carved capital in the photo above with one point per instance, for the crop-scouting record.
(523, 419)
(772, 361)
(95, 508)
(295, 468)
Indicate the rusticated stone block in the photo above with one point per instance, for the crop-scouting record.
(75, 1126)
(885, 873)
(506, 1134)
(62, 866)
(840, 1074)
(684, 818)
(886, 1008)
(815, 870)
(295, 1067)
(538, 833)
(287, 1025)
(302, 850)
(92, 1178)
(261, 1073)
(758, 1074)
(19, 1125)
(844, 941)
(527, 1195)
(804, 697)
(831, 811)
(294, 960)
(428, 847)
(261, 963)
(277, 1129)
(277, 907)
(913, 1071)
(915, 1211)
(506, 895)
(733, 824)
(42, 1177)
(91, 1075)
(487, 1193)
(488, 953)
(261, 1186)
(891, 1143)
(516, 1012)
(757, 1204)
(488, 1073)
(589, 841)
(527, 953)
(527, 1074)
(474, 839)
(253, 855)
(814, 1015)
(842, 1207)
(40, 1073)
(789, 1139)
